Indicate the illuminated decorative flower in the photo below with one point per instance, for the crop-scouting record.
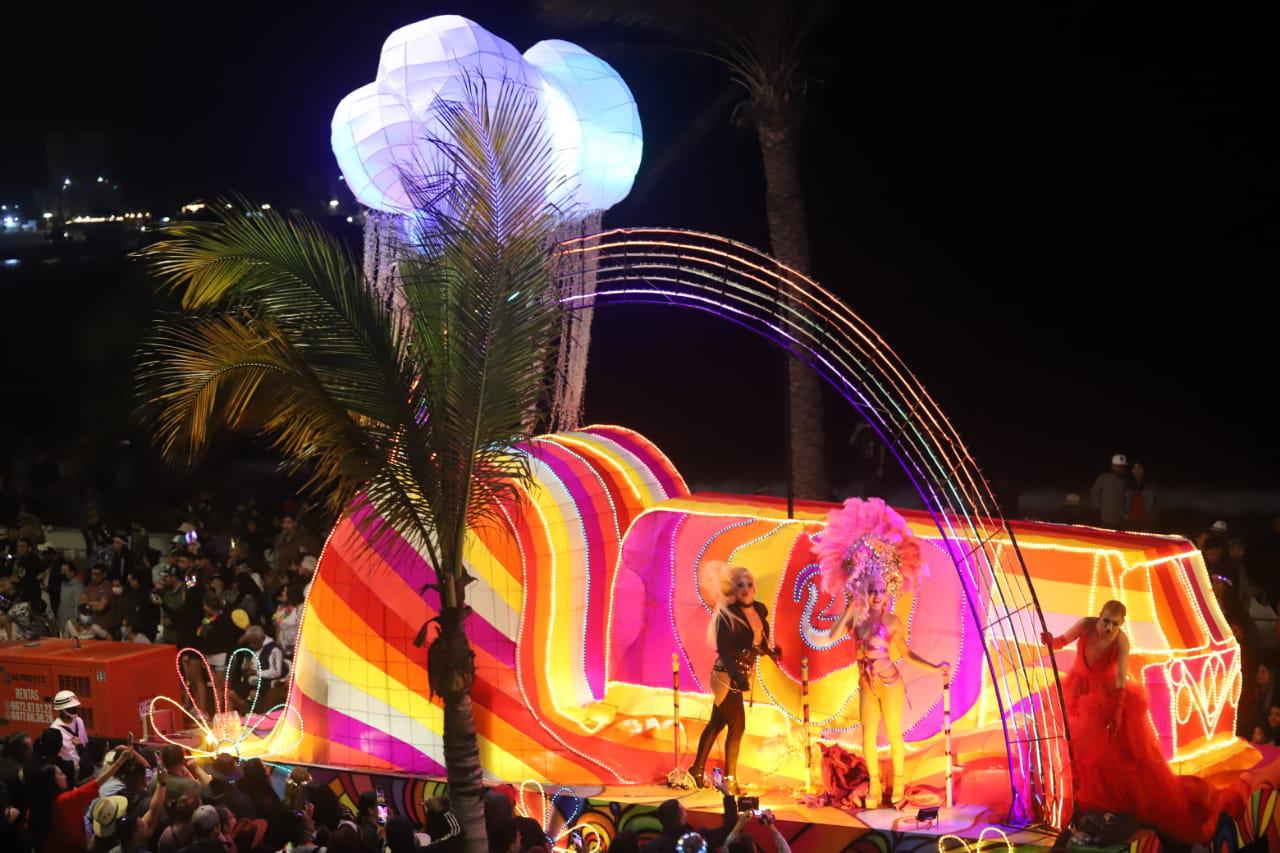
(544, 811)
(227, 732)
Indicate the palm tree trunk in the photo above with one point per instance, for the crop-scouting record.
(789, 236)
(451, 673)
(466, 777)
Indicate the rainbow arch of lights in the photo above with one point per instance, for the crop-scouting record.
(595, 581)
(738, 283)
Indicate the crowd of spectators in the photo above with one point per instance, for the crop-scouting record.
(64, 793)
(226, 580)
(55, 798)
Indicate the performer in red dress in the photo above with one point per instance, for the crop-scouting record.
(1118, 763)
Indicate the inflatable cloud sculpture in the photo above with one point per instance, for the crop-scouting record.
(383, 128)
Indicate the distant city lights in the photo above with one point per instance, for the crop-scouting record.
(136, 218)
(93, 220)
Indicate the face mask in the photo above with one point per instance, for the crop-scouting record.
(117, 590)
(85, 619)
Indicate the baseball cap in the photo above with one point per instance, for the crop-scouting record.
(65, 699)
(1119, 459)
(206, 818)
(1219, 526)
(105, 812)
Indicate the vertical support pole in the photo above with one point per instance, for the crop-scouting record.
(946, 733)
(808, 748)
(675, 704)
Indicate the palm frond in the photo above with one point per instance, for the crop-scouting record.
(761, 43)
(418, 419)
(483, 308)
(301, 278)
(282, 321)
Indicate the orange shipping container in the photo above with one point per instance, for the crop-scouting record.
(114, 681)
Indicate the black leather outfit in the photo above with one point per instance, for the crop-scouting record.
(736, 656)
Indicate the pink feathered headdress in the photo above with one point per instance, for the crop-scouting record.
(862, 537)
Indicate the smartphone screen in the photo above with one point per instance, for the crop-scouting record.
(382, 807)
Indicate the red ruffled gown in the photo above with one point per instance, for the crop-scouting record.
(1125, 771)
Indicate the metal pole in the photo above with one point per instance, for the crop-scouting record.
(808, 749)
(675, 703)
(946, 733)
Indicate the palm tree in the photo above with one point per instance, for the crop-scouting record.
(416, 416)
(762, 44)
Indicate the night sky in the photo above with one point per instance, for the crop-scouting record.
(1064, 219)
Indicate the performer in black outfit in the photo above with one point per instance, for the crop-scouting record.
(740, 628)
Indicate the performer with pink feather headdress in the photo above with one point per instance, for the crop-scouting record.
(869, 555)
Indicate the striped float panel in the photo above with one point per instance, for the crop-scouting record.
(598, 576)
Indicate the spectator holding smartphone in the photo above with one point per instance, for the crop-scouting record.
(740, 842)
(675, 823)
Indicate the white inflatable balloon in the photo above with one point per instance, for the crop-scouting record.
(382, 130)
(606, 114)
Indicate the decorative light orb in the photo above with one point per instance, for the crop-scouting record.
(384, 129)
(609, 122)
(373, 138)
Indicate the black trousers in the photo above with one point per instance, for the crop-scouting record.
(728, 714)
